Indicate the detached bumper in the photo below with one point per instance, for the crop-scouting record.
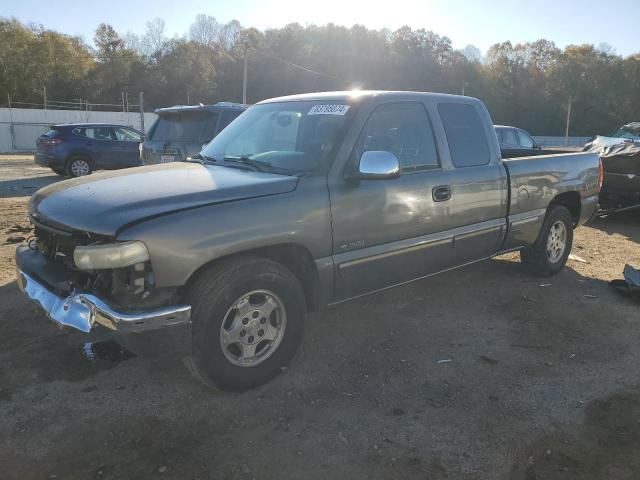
(83, 311)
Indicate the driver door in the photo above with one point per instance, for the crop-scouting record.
(389, 231)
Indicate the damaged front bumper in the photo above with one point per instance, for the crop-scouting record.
(84, 311)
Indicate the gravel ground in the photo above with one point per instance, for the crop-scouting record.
(481, 373)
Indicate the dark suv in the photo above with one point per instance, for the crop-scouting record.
(77, 149)
(183, 130)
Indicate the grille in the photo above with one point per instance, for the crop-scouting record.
(58, 247)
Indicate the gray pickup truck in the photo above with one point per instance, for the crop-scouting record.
(301, 202)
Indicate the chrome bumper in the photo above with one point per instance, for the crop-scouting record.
(83, 311)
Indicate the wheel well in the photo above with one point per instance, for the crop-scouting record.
(296, 258)
(74, 155)
(570, 200)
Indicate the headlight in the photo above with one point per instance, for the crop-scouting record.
(111, 255)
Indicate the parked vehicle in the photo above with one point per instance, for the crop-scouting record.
(77, 149)
(182, 131)
(620, 156)
(515, 142)
(303, 201)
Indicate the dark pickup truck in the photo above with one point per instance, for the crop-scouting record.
(300, 202)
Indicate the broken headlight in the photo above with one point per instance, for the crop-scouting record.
(110, 256)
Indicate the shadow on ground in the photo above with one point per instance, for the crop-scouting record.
(25, 187)
(624, 223)
(605, 446)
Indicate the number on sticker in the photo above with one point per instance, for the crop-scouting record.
(331, 109)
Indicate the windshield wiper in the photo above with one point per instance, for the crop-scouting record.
(257, 165)
(201, 159)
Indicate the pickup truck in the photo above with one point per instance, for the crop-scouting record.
(301, 202)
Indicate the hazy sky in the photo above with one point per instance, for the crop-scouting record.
(478, 22)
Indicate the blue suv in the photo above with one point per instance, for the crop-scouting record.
(77, 149)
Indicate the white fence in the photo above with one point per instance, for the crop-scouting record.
(20, 127)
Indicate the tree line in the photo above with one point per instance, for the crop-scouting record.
(528, 85)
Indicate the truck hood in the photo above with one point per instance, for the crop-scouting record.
(103, 203)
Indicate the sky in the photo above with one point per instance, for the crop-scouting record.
(477, 22)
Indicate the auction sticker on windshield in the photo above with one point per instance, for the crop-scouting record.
(332, 109)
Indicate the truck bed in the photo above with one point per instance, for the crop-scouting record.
(538, 180)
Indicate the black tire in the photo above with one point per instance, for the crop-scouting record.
(214, 292)
(59, 171)
(77, 160)
(535, 257)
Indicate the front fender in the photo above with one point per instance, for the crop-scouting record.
(180, 243)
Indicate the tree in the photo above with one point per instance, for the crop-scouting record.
(205, 30)
(108, 42)
(472, 53)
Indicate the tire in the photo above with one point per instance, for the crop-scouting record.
(547, 256)
(79, 166)
(218, 312)
(58, 171)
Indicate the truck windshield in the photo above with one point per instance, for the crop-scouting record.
(196, 126)
(291, 136)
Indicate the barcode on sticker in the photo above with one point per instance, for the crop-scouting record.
(332, 109)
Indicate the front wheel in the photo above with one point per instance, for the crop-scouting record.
(548, 255)
(248, 318)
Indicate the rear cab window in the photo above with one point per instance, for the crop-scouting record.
(468, 144)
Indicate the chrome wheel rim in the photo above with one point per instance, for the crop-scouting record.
(253, 328)
(80, 168)
(556, 241)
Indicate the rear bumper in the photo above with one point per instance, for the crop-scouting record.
(45, 159)
(84, 311)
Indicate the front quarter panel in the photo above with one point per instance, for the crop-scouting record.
(180, 243)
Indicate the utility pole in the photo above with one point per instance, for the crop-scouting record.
(141, 102)
(566, 131)
(123, 110)
(44, 94)
(244, 78)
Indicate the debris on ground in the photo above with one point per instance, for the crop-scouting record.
(577, 258)
(17, 228)
(445, 360)
(15, 239)
(343, 439)
(630, 286)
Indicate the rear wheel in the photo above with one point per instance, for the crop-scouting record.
(548, 255)
(78, 167)
(248, 318)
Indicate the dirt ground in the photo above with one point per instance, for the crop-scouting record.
(481, 373)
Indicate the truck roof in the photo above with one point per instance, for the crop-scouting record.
(193, 108)
(354, 95)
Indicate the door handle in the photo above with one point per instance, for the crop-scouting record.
(441, 193)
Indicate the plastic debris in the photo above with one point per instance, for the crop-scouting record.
(577, 258)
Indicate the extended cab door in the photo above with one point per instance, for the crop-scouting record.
(432, 217)
(478, 180)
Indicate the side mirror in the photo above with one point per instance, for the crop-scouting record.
(378, 164)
